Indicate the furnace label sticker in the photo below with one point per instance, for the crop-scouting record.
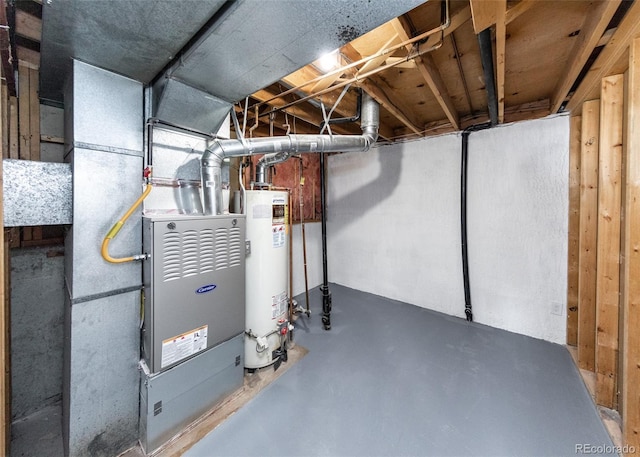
(279, 235)
(279, 305)
(182, 346)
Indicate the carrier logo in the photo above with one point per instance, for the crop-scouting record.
(205, 289)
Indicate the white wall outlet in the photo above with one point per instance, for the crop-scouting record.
(557, 308)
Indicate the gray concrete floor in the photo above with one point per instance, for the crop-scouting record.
(391, 379)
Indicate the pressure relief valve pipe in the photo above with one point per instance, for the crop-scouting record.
(118, 225)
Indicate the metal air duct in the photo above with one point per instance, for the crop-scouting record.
(279, 149)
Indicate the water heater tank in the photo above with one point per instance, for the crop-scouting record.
(267, 276)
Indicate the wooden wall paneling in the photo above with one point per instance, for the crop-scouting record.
(14, 136)
(24, 122)
(631, 269)
(574, 231)
(623, 196)
(608, 243)
(5, 389)
(4, 112)
(34, 115)
(24, 125)
(34, 129)
(590, 132)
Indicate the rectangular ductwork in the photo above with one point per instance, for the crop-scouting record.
(186, 106)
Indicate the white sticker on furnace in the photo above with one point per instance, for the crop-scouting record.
(279, 305)
(182, 346)
(279, 235)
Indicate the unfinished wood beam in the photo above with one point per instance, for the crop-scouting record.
(28, 26)
(590, 132)
(631, 267)
(608, 243)
(628, 29)
(590, 33)
(429, 71)
(518, 9)
(574, 231)
(483, 13)
(379, 96)
(374, 63)
(501, 38)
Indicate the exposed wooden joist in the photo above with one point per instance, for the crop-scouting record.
(608, 244)
(430, 74)
(28, 26)
(617, 47)
(527, 111)
(311, 117)
(590, 133)
(518, 9)
(378, 95)
(378, 61)
(631, 267)
(483, 13)
(574, 231)
(590, 34)
(501, 38)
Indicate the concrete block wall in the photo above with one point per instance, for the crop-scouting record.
(394, 224)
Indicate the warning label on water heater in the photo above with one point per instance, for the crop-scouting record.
(279, 305)
(278, 232)
(179, 347)
(278, 222)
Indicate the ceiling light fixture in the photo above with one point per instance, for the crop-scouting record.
(329, 61)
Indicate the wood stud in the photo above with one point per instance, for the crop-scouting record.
(631, 266)
(608, 242)
(574, 231)
(588, 233)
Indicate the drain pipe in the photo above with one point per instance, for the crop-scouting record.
(486, 55)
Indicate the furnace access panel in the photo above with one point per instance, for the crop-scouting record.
(194, 285)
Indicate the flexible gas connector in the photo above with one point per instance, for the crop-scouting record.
(118, 225)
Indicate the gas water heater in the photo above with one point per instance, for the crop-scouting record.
(267, 300)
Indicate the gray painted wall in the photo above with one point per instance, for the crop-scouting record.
(37, 316)
(394, 224)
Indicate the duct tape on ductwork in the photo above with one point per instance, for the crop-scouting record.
(36, 193)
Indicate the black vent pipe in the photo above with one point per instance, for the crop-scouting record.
(326, 293)
(468, 311)
(486, 55)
